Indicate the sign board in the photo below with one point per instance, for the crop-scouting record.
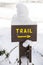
(23, 32)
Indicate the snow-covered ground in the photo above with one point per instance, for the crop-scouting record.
(37, 54)
(5, 43)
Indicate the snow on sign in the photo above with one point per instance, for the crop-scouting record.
(24, 34)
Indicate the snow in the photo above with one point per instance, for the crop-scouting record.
(5, 43)
(5, 36)
(27, 42)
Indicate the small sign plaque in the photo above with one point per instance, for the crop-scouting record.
(23, 32)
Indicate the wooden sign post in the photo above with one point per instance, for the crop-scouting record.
(21, 33)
